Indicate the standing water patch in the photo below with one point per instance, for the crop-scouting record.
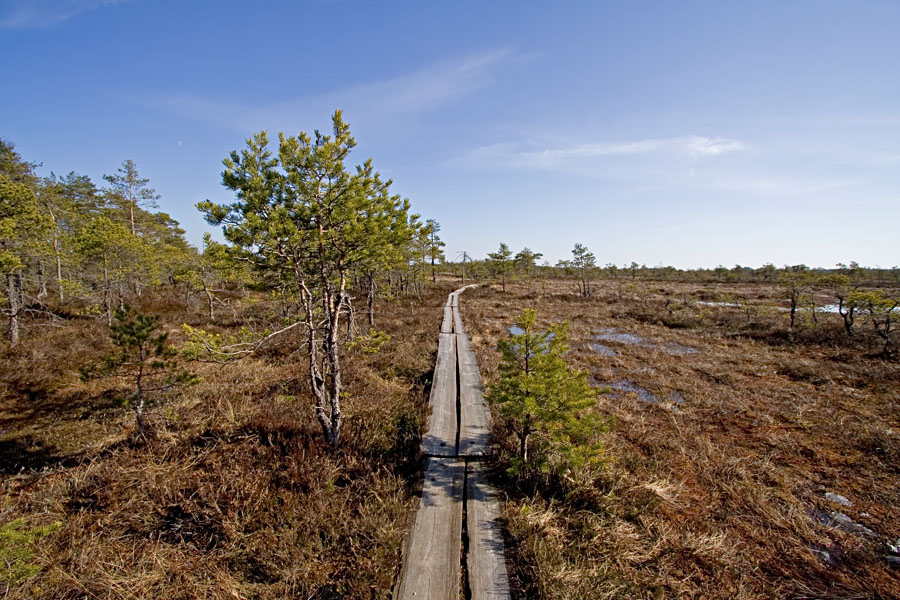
(642, 394)
(610, 334)
(602, 350)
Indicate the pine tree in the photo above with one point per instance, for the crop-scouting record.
(526, 260)
(435, 243)
(501, 262)
(144, 354)
(22, 229)
(308, 223)
(108, 254)
(129, 190)
(71, 202)
(548, 405)
(584, 261)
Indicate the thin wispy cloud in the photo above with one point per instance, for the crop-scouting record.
(515, 156)
(427, 88)
(40, 14)
(658, 165)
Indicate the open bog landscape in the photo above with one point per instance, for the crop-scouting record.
(472, 301)
(740, 466)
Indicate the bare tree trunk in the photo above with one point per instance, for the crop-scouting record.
(316, 379)
(370, 299)
(209, 299)
(351, 320)
(57, 257)
(20, 294)
(42, 291)
(59, 286)
(107, 295)
(846, 315)
(13, 308)
(523, 443)
(334, 363)
(325, 372)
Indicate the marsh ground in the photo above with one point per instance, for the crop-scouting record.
(730, 437)
(730, 434)
(232, 495)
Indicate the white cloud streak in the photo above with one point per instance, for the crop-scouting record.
(506, 155)
(427, 88)
(41, 14)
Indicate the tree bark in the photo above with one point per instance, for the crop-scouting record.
(107, 295)
(847, 316)
(13, 308)
(59, 286)
(42, 291)
(370, 299)
(209, 299)
(57, 257)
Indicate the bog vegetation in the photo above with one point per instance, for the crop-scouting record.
(243, 420)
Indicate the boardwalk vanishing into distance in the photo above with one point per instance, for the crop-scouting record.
(455, 547)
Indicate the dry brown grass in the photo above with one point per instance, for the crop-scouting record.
(717, 497)
(233, 495)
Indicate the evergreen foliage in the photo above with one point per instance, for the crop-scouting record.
(501, 262)
(525, 261)
(548, 405)
(307, 224)
(128, 190)
(145, 357)
(883, 313)
(17, 546)
(435, 251)
(584, 261)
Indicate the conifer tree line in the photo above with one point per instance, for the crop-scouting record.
(323, 239)
(583, 268)
(69, 246)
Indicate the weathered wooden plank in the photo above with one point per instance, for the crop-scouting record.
(473, 410)
(447, 323)
(431, 566)
(485, 562)
(440, 437)
(457, 321)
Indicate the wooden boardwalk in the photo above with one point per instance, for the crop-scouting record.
(456, 498)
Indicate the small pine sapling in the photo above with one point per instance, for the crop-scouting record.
(549, 406)
(144, 357)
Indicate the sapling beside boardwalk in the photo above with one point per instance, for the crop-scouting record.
(550, 407)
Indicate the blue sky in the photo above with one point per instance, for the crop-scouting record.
(682, 133)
